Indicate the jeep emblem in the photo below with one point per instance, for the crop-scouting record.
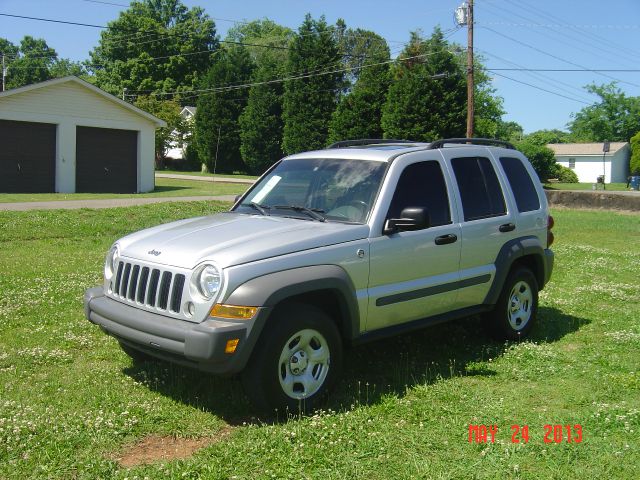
(155, 253)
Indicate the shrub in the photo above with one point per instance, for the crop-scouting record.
(634, 167)
(566, 175)
(541, 157)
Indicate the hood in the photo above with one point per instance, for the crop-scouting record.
(233, 238)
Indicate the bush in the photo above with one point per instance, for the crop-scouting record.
(566, 175)
(634, 167)
(541, 157)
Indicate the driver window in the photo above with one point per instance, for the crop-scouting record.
(422, 185)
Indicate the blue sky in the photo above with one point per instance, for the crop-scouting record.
(531, 34)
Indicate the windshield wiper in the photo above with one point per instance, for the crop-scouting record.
(315, 213)
(261, 208)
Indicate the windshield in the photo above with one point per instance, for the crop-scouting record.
(317, 189)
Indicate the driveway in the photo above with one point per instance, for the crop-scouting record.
(200, 178)
(106, 203)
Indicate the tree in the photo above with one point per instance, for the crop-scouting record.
(261, 123)
(541, 157)
(217, 129)
(510, 131)
(169, 111)
(359, 112)
(29, 63)
(309, 102)
(634, 166)
(615, 117)
(427, 97)
(155, 46)
(545, 137)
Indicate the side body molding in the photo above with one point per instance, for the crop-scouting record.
(271, 289)
(509, 253)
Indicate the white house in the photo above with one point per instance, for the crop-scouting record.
(67, 135)
(179, 148)
(589, 161)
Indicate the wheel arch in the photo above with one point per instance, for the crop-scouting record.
(527, 252)
(327, 287)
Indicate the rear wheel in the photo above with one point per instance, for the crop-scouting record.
(296, 361)
(515, 311)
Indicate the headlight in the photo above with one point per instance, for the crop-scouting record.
(208, 280)
(111, 262)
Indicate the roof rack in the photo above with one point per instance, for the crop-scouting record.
(471, 141)
(366, 141)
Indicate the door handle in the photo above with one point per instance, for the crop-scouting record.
(445, 239)
(507, 227)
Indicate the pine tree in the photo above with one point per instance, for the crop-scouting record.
(427, 97)
(359, 113)
(310, 102)
(261, 123)
(218, 112)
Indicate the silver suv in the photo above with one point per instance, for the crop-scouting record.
(339, 246)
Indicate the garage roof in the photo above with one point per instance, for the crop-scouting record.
(158, 122)
(561, 149)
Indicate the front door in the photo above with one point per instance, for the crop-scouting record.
(414, 274)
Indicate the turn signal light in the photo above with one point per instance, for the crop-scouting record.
(233, 311)
(231, 345)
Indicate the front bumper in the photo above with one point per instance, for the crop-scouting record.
(196, 345)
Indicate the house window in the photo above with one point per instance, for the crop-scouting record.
(572, 163)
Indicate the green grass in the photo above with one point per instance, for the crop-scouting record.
(165, 187)
(203, 174)
(585, 186)
(71, 401)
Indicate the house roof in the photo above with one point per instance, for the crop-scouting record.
(191, 110)
(564, 149)
(56, 81)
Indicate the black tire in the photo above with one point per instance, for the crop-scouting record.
(136, 355)
(269, 378)
(515, 311)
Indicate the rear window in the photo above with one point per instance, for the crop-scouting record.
(480, 190)
(522, 186)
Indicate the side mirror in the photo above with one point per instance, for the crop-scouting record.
(411, 218)
(238, 197)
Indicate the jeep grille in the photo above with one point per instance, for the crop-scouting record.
(147, 286)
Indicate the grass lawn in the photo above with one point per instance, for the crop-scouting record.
(585, 186)
(165, 187)
(72, 403)
(201, 174)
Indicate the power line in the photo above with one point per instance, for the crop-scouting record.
(523, 69)
(284, 79)
(546, 79)
(565, 37)
(554, 56)
(540, 88)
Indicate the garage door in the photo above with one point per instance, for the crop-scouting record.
(27, 157)
(106, 160)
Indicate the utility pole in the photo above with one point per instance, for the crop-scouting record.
(464, 16)
(470, 79)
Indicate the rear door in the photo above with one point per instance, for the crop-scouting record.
(487, 221)
(414, 274)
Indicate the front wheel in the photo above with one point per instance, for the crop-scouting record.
(515, 311)
(296, 361)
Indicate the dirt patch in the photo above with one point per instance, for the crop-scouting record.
(157, 448)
